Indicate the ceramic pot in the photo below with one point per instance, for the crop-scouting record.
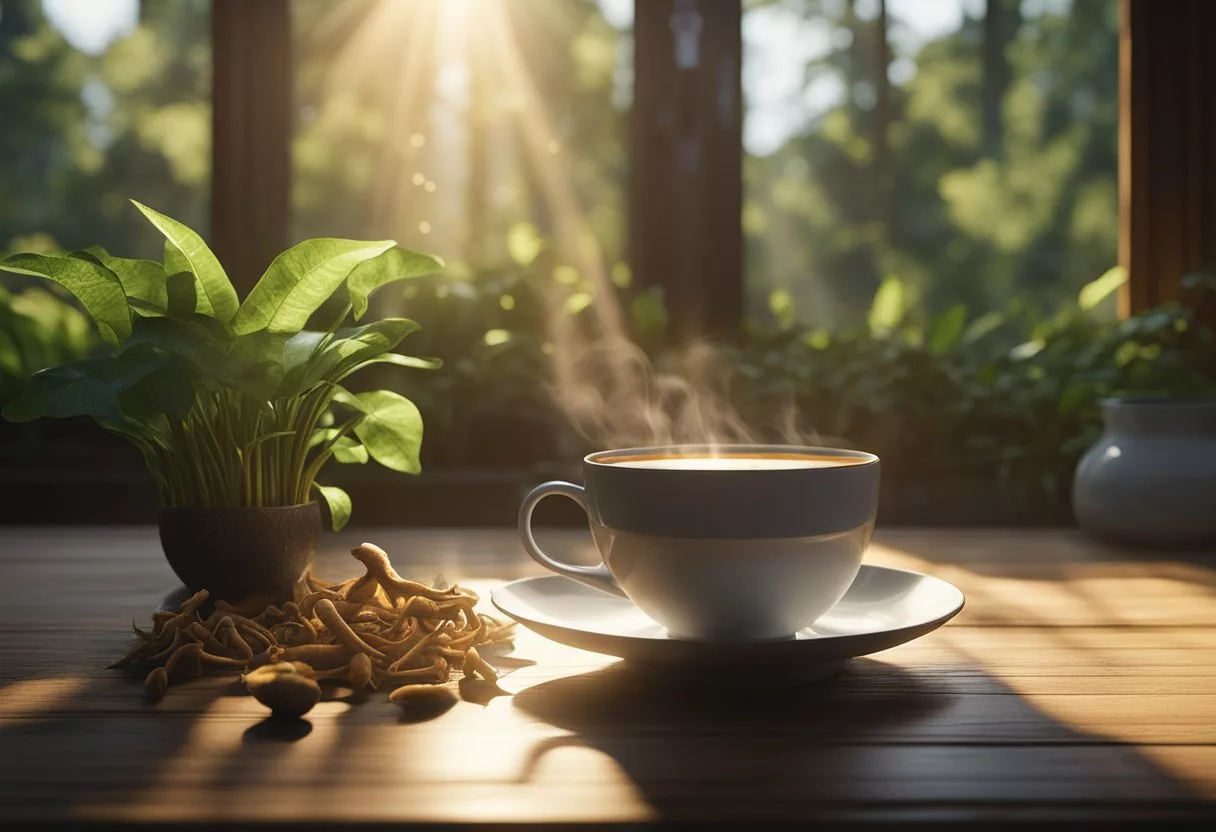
(1151, 479)
(236, 553)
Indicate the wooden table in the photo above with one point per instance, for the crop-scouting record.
(1077, 685)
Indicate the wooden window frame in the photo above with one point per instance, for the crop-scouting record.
(686, 162)
(252, 126)
(1167, 147)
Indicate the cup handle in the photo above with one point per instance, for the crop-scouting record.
(594, 576)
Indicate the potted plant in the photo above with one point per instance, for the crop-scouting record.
(234, 405)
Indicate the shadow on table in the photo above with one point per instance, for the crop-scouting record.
(756, 701)
(877, 743)
(60, 754)
(92, 744)
(275, 729)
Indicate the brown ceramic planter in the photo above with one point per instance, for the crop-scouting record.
(236, 553)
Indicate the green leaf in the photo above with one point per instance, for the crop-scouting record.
(95, 253)
(189, 339)
(84, 388)
(396, 359)
(1026, 350)
(338, 502)
(299, 281)
(1127, 353)
(168, 390)
(175, 261)
(347, 450)
(148, 310)
(648, 314)
(186, 251)
(819, 338)
(1204, 279)
(359, 343)
(182, 295)
(888, 307)
(781, 305)
(391, 428)
(395, 264)
(142, 280)
(1096, 291)
(946, 329)
(983, 325)
(63, 331)
(97, 288)
(311, 357)
(22, 348)
(301, 348)
(255, 364)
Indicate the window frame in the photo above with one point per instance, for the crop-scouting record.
(252, 127)
(1167, 149)
(686, 150)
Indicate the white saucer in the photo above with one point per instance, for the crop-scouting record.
(883, 608)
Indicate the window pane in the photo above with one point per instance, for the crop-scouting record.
(102, 101)
(451, 125)
(977, 164)
(491, 133)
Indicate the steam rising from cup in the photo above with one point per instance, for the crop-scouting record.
(616, 397)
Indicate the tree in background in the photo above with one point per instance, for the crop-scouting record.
(995, 164)
(84, 131)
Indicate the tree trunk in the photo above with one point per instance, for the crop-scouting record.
(882, 117)
(14, 19)
(853, 61)
(1001, 21)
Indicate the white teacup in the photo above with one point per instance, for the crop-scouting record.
(722, 543)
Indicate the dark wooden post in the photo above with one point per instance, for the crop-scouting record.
(252, 125)
(1167, 146)
(686, 182)
(1002, 18)
(882, 120)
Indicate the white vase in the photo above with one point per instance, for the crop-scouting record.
(1151, 479)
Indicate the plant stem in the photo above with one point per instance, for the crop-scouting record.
(327, 449)
(233, 449)
(338, 321)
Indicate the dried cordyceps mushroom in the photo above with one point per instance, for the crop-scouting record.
(474, 663)
(156, 683)
(365, 631)
(288, 693)
(422, 700)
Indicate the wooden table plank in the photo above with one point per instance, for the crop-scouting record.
(1077, 685)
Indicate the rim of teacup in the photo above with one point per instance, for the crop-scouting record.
(608, 458)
